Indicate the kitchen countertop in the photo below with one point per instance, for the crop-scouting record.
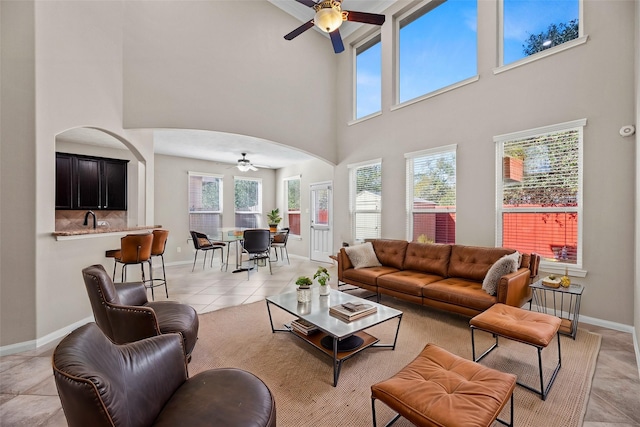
(101, 230)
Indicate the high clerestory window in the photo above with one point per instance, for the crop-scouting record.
(540, 193)
(368, 76)
(431, 195)
(533, 26)
(365, 194)
(437, 47)
(205, 202)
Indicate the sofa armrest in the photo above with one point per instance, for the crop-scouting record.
(513, 288)
(131, 293)
(131, 323)
(344, 263)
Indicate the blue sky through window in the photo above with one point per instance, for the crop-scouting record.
(438, 49)
(369, 81)
(523, 18)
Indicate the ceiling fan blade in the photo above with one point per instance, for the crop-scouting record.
(309, 3)
(366, 18)
(252, 168)
(336, 40)
(301, 29)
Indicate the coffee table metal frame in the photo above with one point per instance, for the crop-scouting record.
(317, 313)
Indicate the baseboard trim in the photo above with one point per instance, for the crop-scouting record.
(47, 339)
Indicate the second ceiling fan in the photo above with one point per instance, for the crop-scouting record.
(329, 16)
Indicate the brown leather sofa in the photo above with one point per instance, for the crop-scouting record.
(124, 314)
(447, 277)
(145, 383)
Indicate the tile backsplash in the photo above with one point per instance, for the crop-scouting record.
(67, 220)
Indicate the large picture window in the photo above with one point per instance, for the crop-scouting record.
(431, 195)
(248, 202)
(292, 189)
(365, 194)
(368, 66)
(205, 203)
(438, 47)
(532, 26)
(540, 192)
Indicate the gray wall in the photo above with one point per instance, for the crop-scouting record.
(592, 81)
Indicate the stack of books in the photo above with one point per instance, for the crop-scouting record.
(351, 311)
(303, 326)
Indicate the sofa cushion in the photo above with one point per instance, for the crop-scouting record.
(473, 262)
(407, 281)
(367, 275)
(362, 256)
(391, 252)
(505, 265)
(427, 258)
(456, 291)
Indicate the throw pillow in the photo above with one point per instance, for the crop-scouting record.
(362, 256)
(203, 242)
(517, 256)
(505, 265)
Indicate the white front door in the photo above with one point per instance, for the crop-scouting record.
(321, 220)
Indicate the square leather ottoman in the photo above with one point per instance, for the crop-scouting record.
(441, 389)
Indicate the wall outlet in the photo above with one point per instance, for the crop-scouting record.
(179, 249)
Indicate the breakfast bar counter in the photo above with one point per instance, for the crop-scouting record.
(95, 232)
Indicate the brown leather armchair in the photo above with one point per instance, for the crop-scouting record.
(124, 314)
(146, 383)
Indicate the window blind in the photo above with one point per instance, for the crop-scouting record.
(365, 193)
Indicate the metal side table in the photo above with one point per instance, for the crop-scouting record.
(561, 302)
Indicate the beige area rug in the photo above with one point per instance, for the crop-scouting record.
(301, 377)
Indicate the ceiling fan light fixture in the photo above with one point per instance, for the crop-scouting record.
(328, 16)
(244, 167)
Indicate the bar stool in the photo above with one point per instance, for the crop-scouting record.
(134, 249)
(157, 249)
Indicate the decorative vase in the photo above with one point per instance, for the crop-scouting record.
(304, 294)
(325, 290)
(565, 281)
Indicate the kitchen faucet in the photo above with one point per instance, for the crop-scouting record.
(86, 218)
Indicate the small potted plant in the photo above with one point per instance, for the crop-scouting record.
(274, 219)
(323, 276)
(304, 288)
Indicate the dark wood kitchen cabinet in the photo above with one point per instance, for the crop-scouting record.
(85, 182)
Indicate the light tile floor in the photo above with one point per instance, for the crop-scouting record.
(28, 395)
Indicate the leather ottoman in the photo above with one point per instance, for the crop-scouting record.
(441, 389)
(528, 327)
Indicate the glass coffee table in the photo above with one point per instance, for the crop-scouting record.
(336, 338)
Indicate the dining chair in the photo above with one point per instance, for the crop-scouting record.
(202, 243)
(279, 240)
(256, 244)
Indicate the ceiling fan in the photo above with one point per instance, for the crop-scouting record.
(329, 16)
(245, 165)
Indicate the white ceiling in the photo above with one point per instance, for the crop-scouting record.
(226, 147)
(218, 147)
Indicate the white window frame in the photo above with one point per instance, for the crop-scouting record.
(286, 200)
(413, 14)
(502, 67)
(353, 169)
(258, 211)
(362, 46)
(409, 158)
(220, 195)
(551, 267)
